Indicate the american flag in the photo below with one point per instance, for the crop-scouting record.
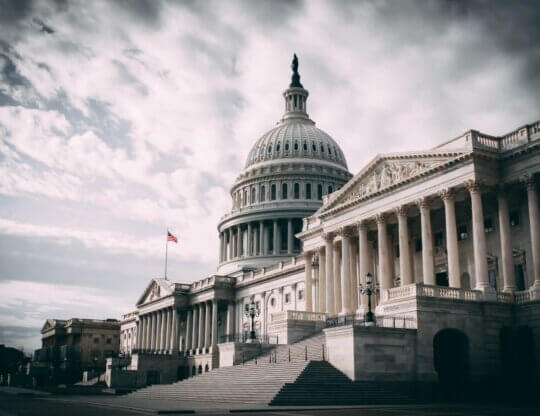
(171, 237)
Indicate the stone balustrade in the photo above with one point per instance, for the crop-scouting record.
(290, 315)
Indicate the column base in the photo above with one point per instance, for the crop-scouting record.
(535, 291)
(488, 293)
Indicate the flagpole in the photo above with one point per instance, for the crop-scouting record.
(166, 251)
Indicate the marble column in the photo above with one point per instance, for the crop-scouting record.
(534, 223)
(189, 323)
(405, 265)
(262, 248)
(276, 238)
(308, 258)
(148, 332)
(329, 252)
(230, 318)
(345, 272)
(256, 240)
(156, 332)
(428, 264)
(161, 319)
(479, 237)
(506, 246)
(231, 245)
(249, 245)
(239, 241)
(220, 247)
(214, 322)
(454, 272)
(364, 265)
(195, 328)
(290, 240)
(175, 333)
(201, 342)
(168, 326)
(322, 280)
(140, 327)
(337, 278)
(384, 273)
(353, 287)
(208, 324)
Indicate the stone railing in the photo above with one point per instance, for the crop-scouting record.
(522, 297)
(485, 140)
(443, 292)
(505, 297)
(298, 316)
(211, 281)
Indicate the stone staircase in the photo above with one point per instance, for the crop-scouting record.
(310, 348)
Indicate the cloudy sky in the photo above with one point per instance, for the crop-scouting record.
(118, 119)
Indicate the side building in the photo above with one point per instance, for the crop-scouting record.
(70, 347)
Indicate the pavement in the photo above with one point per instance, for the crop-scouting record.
(20, 402)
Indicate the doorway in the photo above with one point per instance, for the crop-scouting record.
(451, 362)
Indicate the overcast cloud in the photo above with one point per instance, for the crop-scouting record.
(120, 118)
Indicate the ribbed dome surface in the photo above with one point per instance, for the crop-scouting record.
(296, 138)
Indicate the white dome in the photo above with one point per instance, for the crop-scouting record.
(296, 138)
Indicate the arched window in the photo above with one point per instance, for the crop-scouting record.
(245, 197)
(322, 148)
(330, 189)
(319, 192)
(308, 191)
(329, 150)
(296, 191)
(287, 147)
(295, 145)
(313, 147)
(278, 146)
(305, 147)
(269, 149)
(284, 191)
(273, 192)
(262, 194)
(252, 196)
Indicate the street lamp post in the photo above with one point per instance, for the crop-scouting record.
(252, 312)
(369, 289)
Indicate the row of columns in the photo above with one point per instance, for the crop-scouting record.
(338, 283)
(258, 240)
(158, 331)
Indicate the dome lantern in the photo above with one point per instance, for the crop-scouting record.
(295, 96)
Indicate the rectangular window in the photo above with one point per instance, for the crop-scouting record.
(514, 219)
(300, 294)
(418, 245)
(308, 191)
(273, 192)
(439, 239)
(396, 251)
(287, 298)
(96, 340)
(462, 232)
(488, 225)
(109, 341)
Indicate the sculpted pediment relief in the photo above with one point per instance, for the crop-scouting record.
(157, 288)
(385, 172)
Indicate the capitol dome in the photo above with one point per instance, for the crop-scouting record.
(296, 138)
(287, 173)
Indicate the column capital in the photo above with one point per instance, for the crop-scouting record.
(528, 180)
(402, 210)
(362, 224)
(308, 254)
(381, 218)
(423, 203)
(328, 236)
(447, 194)
(474, 186)
(345, 232)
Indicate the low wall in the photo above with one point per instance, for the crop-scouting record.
(290, 326)
(373, 353)
(234, 353)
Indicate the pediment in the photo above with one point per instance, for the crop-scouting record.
(156, 289)
(51, 324)
(389, 171)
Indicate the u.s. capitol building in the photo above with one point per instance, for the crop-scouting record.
(446, 241)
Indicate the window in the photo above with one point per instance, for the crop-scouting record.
(462, 232)
(296, 191)
(514, 219)
(287, 298)
(488, 225)
(245, 197)
(252, 195)
(262, 195)
(439, 239)
(273, 192)
(322, 148)
(273, 302)
(109, 341)
(313, 147)
(308, 191)
(278, 147)
(396, 251)
(329, 150)
(295, 145)
(286, 147)
(319, 192)
(300, 294)
(305, 146)
(269, 149)
(284, 191)
(246, 307)
(418, 245)
(96, 340)
(330, 189)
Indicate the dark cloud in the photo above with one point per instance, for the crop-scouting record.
(12, 11)
(19, 336)
(145, 11)
(42, 26)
